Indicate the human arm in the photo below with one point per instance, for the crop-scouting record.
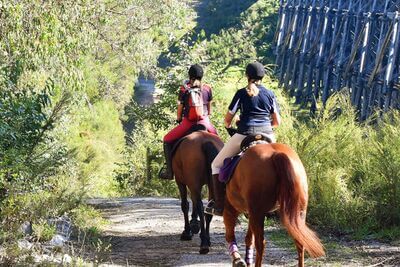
(276, 119)
(181, 101)
(228, 119)
(232, 109)
(274, 111)
(179, 112)
(210, 97)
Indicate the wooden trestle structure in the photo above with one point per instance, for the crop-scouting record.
(323, 46)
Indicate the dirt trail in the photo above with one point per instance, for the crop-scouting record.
(146, 231)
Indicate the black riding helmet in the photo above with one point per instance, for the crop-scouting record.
(196, 72)
(255, 70)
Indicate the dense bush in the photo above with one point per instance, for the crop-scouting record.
(67, 70)
(352, 167)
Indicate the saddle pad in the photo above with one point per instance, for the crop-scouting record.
(228, 168)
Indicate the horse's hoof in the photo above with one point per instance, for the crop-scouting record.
(204, 250)
(194, 226)
(238, 262)
(186, 236)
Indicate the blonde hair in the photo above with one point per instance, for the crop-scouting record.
(252, 89)
(196, 83)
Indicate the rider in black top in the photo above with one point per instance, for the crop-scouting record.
(258, 114)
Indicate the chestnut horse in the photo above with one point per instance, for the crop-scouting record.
(269, 176)
(191, 164)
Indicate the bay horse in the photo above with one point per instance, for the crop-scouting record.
(269, 176)
(191, 164)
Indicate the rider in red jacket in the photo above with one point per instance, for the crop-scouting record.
(186, 121)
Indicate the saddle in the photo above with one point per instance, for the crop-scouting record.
(230, 164)
(254, 139)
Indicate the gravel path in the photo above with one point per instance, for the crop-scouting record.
(146, 231)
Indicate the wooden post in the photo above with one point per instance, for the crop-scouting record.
(393, 52)
(148, 163)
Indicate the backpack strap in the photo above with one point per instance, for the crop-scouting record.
(206, 87)
(185, 85)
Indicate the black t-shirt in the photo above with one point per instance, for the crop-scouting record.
(254, 110)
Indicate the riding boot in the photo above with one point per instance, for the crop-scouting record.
(216, 206)
(166, 171)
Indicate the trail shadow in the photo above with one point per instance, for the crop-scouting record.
(161, 250)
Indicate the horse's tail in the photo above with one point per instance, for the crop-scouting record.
(292, 201)
(210, 150)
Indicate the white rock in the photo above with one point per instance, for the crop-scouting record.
(42, 258)
(67, 259)
(24, 244)
(57, 241)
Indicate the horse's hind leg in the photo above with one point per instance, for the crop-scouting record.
(230, 217)
(208, 219)
(249, 258)
(204, 236)
(300, 253)
(256, 222)
(194, 222)
(187, 233)
(299, 247)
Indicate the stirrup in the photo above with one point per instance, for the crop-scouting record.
(209, 209)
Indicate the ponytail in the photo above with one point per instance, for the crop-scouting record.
(252, 89)
(196, 83)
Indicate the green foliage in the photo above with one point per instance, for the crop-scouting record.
(391, 233)
(29, 154)
(97, 138)
(213, 11)
(382, 171)
(88, 220)
(352, 168)
(67, 69)
(138, 173)
(322, 144)
(130, 35)
(43, 231)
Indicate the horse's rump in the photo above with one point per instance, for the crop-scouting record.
(250, 184)
(194, 154)
(191, 164)
(269, 174)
